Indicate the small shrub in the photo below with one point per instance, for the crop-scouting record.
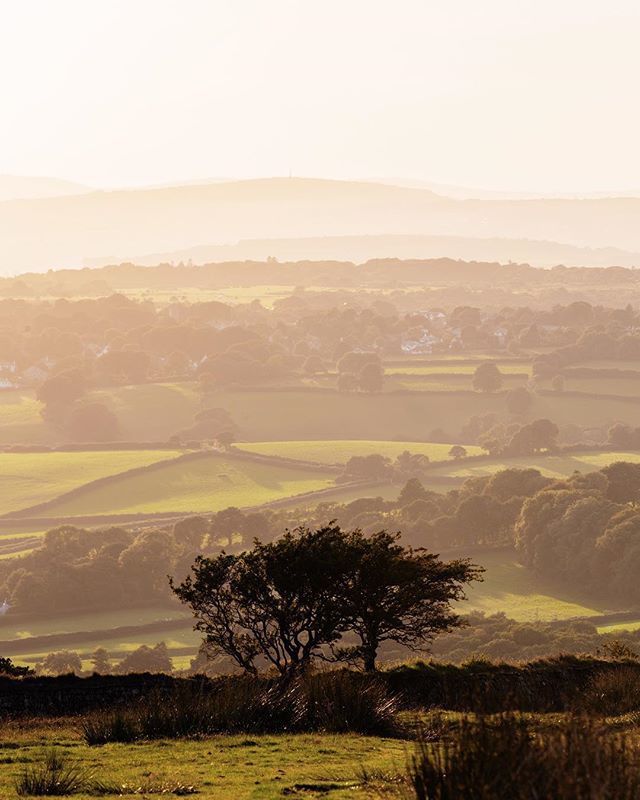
(54, 777)
(614, 692)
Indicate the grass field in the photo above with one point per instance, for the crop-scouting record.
(219, 768)
(506, 367)
(340, 451)
(210, 483)
(558, 466)
(30, 478)
(513, 589)
(284, 415)
(615, 627)
(21, 628)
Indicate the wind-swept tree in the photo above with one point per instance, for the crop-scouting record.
(292, 600)
(397, 594)
(278, 603)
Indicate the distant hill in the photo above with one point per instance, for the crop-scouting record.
(364, 248)
(19, 187)
(40, 234)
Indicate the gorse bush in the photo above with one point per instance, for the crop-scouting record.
(611, 693)
(335, 702)
(488, 758)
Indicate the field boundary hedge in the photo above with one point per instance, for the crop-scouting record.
(553, 684)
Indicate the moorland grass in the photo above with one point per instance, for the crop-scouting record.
(242, 767)
(510, 758)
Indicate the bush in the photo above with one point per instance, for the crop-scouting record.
(612, 692)
(489, 759)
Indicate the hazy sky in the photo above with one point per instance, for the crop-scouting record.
(513, 94)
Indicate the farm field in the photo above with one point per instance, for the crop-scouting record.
(21, 628)
(31, 478)
(506, 367)
(403, 416)
(521, 595)
(629, 387)
(559, 465)
(340, 451)
(220, 767)
(444, 382)
(210, 483)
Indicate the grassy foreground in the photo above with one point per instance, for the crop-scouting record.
(221, 767)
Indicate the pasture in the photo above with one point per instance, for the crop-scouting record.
(519, 593)
(340, 451)
(210, 483)
(31, 478)
(556, 466)
(461, 368)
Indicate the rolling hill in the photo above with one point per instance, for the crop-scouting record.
(39, 234)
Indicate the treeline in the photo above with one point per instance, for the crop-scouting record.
(335, 274)
(494, 637)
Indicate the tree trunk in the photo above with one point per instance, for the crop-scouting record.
(370, 660)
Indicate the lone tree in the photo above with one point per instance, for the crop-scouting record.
(292, 600)
(397, 594)
(458, 451)
(371, 377)
(487, 377)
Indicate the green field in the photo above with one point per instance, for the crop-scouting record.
(218, 767)
(513, 589)
(506, 367)
(340, 451)
(444, 383)
(31, 478)
(210, 483)
(410, 416)
(146, 412)
(556, 466)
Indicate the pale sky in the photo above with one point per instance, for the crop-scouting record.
(537, 95)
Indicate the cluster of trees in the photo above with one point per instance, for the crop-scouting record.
(142, 659)
(361, 372)
(310, 593)
(585, 532)
(376, 467)
(498, 637)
